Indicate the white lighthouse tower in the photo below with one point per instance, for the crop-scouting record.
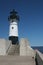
(13, 32)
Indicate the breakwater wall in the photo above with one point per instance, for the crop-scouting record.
(4, 46)
(39, 58)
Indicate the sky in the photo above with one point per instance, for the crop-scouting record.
(31, 19)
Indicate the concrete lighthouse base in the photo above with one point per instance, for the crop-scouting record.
(14, 39)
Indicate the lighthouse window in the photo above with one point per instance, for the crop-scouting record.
(12, 27)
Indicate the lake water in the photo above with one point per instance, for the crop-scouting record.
(40, 48)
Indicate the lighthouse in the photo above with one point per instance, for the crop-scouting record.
(13, 28)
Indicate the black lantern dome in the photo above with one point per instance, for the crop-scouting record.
(13, 15)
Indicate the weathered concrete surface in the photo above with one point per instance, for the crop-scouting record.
(17, 60)
(25, 49)
(4, 45)
(39, 57)
(13, 50)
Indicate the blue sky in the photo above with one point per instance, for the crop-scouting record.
(31, 19)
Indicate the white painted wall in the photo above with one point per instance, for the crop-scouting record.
(14, 31)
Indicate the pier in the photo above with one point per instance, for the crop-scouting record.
(17, 60)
